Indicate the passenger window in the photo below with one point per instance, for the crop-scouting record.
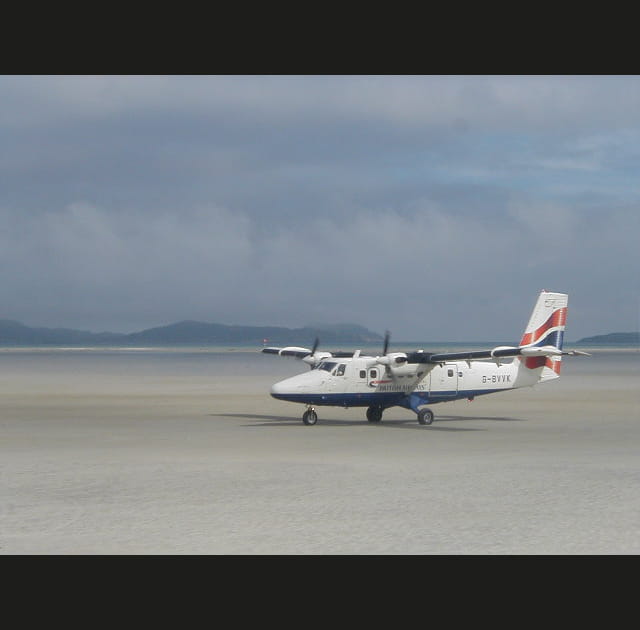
(450, 372)
(373, 374)
(363, 374)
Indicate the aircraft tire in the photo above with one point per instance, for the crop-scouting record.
(310, 417)
(374, 414)
(425, 416)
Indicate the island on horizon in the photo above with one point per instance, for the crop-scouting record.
(616, 338)
(13, 333)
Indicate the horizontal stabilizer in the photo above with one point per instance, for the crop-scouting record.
(540, 351)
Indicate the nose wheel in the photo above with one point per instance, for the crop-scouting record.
(310, 417)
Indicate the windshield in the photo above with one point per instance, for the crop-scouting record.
(327, 366)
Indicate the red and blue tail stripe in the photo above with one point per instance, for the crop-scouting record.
(551, 333)
(557, 321)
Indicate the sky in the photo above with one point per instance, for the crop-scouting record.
(436, 207)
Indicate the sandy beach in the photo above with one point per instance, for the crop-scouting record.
(113, 452)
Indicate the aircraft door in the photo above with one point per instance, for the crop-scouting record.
(334, 381)
(339, 378)
(444, 380)
(373, 375)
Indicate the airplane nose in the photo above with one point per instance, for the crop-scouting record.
(292, 388)
(276, 389)
(279, 389)
(289, 387)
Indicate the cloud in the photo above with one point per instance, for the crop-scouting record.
(92, 265)
(434, 206)
(424, 272)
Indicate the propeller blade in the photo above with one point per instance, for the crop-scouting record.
(387, 336)
(310, 358)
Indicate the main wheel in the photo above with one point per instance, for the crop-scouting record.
(374, 414)
(425, 416)
(309, 417)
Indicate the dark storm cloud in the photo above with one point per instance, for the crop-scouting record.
(434, 206)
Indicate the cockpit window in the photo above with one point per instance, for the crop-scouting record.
(340, 370)
(327, 366)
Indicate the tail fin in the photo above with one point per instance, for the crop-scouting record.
(546, 328)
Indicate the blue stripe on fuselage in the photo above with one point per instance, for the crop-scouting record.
(383, 399)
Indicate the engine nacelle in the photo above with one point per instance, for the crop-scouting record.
(393, 359)
(406, 369)
(315, 359)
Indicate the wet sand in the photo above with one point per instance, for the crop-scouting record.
(127, 453)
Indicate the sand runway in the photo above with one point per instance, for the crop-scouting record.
(125, 453)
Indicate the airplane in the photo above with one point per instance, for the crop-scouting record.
(415, 379)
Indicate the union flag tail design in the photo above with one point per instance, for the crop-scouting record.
(546, 328)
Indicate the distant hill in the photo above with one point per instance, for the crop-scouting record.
(14, 333)
(199, 332)
(620, 338)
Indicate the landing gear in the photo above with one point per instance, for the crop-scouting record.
(374, 414)
(310, 417)
(425, 416)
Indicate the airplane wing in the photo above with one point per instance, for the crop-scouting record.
(495, 354)
(430, 358)
(289, 351)
(310, 356)
(300, 353)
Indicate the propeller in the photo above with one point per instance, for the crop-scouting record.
(383, 359)
(311, 358)
(392, 360)
(385, 347)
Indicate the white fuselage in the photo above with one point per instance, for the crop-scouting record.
(361, 381)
